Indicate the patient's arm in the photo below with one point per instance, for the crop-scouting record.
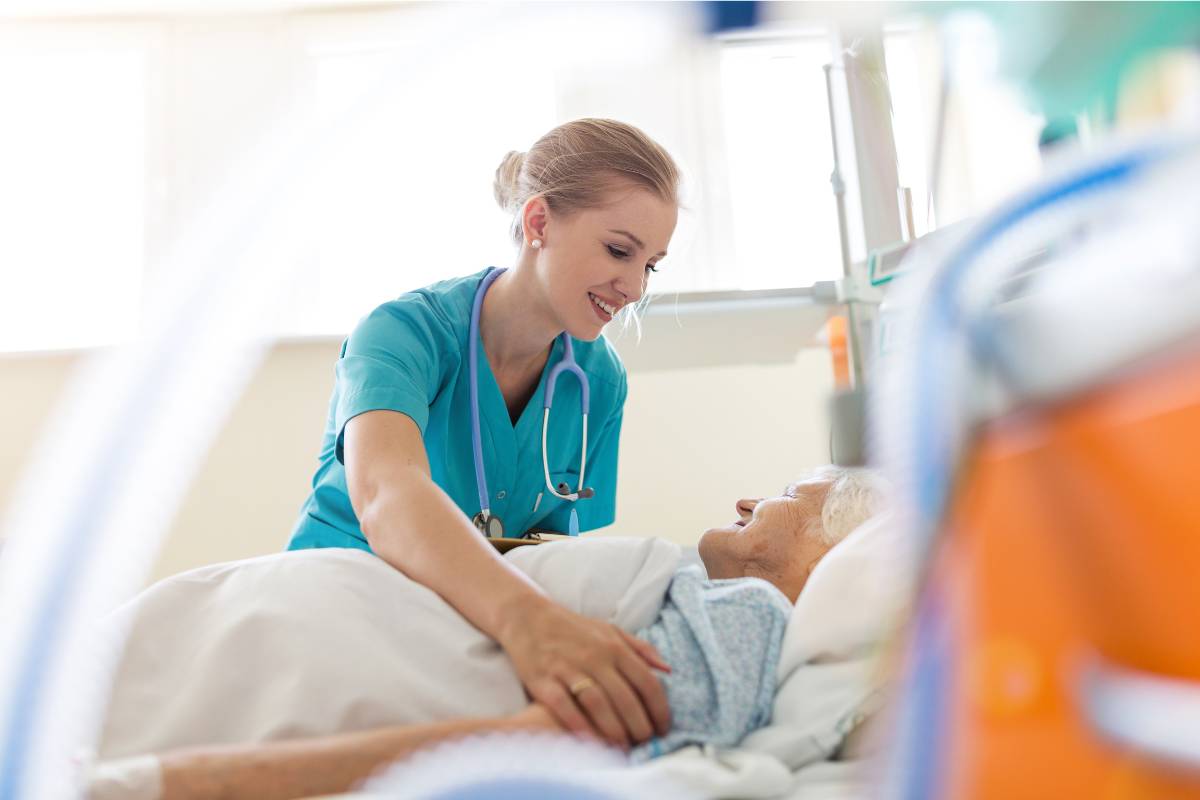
(309, 767)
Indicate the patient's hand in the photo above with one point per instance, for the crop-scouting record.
(592, 676)
(536, 717)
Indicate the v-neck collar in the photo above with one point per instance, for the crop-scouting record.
(492, 399)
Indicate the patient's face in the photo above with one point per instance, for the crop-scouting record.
(777, 538)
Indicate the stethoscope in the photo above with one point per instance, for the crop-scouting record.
(489, 524)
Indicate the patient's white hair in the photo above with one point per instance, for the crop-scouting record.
(855, 495)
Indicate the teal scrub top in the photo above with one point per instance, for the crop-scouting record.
(410, 355)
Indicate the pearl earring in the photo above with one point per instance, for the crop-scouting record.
(536, 244)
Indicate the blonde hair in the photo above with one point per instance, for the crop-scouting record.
(575, 165)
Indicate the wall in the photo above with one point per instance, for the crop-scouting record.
(695, 440)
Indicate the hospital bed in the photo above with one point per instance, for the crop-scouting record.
(192, 631)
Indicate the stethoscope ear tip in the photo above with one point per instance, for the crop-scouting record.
(585, 493)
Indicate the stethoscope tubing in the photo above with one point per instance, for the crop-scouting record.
(573, 496)
(473, 359)
(566, 364)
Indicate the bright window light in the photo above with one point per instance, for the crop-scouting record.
(784, 221)
(912, 119)
(407, 200)
(72, 200)
(990, 140)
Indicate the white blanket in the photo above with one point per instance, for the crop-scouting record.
(320, 641)
(315, 642)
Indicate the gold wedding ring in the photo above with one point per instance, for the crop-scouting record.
(579, 685)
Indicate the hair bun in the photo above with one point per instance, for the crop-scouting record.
(507, 176)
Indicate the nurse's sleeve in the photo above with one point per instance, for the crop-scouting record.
(601, 510)
(390, 362)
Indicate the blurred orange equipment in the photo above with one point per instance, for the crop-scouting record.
(840, 350)
(1075, 534)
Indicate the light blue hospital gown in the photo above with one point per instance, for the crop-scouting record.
(722, 639)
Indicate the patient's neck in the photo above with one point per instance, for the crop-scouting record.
(784, 583)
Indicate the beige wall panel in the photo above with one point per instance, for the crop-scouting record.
(694, 441)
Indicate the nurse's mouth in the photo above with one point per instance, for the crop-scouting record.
(603, 310)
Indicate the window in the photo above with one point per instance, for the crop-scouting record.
(913, 90)
(989, 147)
(780, 157)
(407, 199)
(73, 199)
(97, 114)
(407, 196)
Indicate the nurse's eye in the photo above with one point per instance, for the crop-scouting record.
(617, 252)
(651, 268)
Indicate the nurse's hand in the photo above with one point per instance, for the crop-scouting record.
(595, 678)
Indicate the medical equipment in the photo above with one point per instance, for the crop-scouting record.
(1039, 395)
(488, 524)
(1038, 417)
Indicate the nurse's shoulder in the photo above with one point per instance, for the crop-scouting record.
(430, 322)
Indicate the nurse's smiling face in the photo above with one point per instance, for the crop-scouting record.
(595, 261)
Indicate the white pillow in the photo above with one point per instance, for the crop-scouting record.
(829, 678)
(854, 597)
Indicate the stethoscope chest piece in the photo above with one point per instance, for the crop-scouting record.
(490, 526)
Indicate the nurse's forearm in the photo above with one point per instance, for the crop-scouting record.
(415, 526)
(411, 523)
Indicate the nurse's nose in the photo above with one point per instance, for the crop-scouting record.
(631, 283)
(745, 506)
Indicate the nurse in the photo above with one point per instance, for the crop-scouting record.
(594, 205)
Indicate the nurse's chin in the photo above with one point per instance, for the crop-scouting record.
(586, 333)
(590, 336)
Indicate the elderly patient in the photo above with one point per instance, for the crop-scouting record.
(721, 632)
